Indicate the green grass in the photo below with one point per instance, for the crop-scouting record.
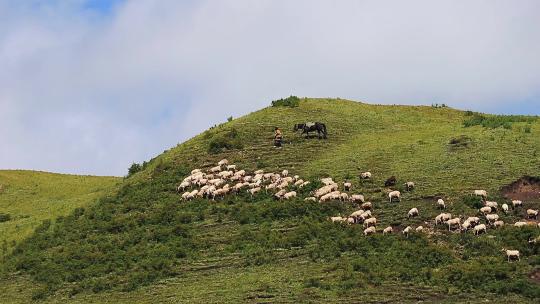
(142, 245)
(29, 197)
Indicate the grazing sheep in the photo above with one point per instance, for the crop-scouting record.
(299, 182)
(357, 198)
(231, 167)
(505, 208)
(259, 172)
(365, 175)
(498, 224)
(296, 177)
(366, 206)
(466, 226)
(492, 217)
(387, 230)
(409, 186)
(185, 195)
(289, 195)
(492, 205)
(474, 220)
(516, 203)
(254, 191)
(357, 216)
(453, 222)
(285, 173)
(350, 220)
(280, 194)
(310, 199)
(419, 229)
(512, 254)
(304, 184)
(441, 204)
(520, 224)
(412, 213)
(215, 169)
(407, 231)
(195, 171)
(369, 230)
(327, 181)
(347, 186)
(482, 193)
(344, 197)
(182, 186)
(365, 215)
(442, 218)
(337, 219)
(485, 210)
(394, 194)
(223, 162)
(370, 222)
(532, 213)
(480, 228)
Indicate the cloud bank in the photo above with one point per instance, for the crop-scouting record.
(89, 87)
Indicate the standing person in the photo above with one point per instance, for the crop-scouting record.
(278, 137)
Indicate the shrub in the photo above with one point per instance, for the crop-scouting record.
(225, 141)
(291, 101)
(473, 201)
(4, 217)
(462, 141)
(134, 168)
(495, 121)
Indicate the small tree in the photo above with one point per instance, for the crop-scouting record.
(134, 169)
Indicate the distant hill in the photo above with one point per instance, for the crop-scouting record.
(141, 243)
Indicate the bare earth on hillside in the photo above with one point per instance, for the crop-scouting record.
(525, 188)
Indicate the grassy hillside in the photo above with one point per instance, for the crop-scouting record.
(29, 197)
(143, 244)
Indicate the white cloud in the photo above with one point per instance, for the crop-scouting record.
(87, 92)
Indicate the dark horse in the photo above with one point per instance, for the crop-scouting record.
(307, 127)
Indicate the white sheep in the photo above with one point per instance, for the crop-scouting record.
(498, 224)
(369, 230)
(254, 191)
(388, 230)
(407, 231)
(357, 198)
(296, 177)
(231, 167)
(505, 208)
(327, 181)
(347, 186)
(185, 195)
(195, 171)
(299, 182)
(492, 205)
(485, 210)
(215, 169)
(182, 186)
(259, 172)
(516, 203)
(366, 206)
(532, 213)
(482, 193)
(512, 254)
(280, 194)
(412, 213)
(520, 224)
(394, 194)
(304, 184)
(370, 222)
(344, 197)
(466, 226)
(285, 173)
(223, 162)
(409, 186)
(310, 199)
(453, 222)
(419, 229)
(289, 195)
(442, 218)
(337, 219)
(365, 175)
(480, 228)
(474, 220)
(441, 204)
(492, 217)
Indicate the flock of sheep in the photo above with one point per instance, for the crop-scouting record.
(225, 179)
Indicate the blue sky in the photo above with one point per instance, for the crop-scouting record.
(90, 86)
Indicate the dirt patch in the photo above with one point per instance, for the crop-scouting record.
(535, 276)
(525, 188)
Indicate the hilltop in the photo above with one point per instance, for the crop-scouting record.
(141, 243)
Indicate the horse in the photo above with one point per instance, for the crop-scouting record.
(312, 127)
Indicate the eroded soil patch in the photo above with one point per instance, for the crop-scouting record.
(525, 188)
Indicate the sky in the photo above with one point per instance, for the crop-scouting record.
(88, 87)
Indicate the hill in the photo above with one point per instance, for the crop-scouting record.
(142, 244)
(27, 198)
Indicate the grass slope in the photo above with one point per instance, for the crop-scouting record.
(257, 249)
(29, 197)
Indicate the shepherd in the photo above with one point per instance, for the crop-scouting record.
(312, 127)
(278, 137)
